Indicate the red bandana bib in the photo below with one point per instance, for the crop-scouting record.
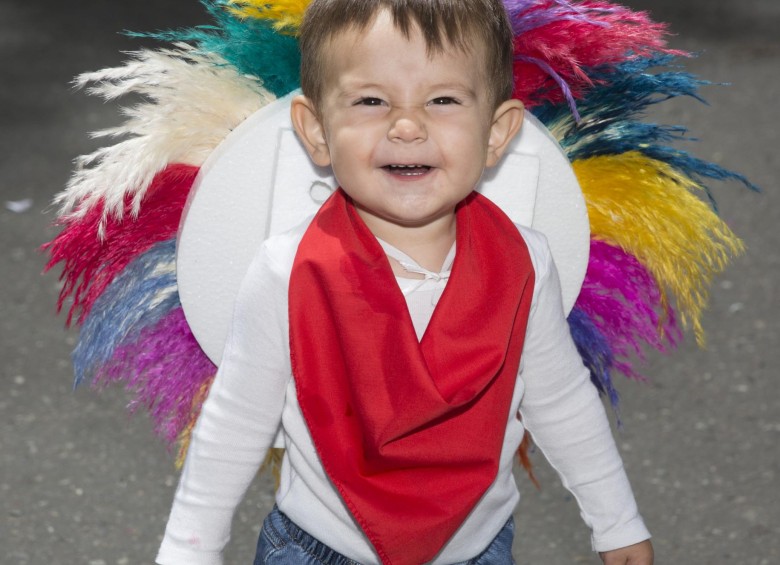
(409, 432)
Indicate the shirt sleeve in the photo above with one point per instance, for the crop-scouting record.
(238, 422)
(567, 421)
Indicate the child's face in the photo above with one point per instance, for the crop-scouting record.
(408, 135)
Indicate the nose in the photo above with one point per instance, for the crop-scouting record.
(408, 126)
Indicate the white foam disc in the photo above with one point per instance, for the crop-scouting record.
(259, 181)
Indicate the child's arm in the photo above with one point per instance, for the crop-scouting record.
(237, 425)
(637, 554)
(562, 411)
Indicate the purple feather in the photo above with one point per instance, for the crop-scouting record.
(165, 368)
(596, 354)
(527, 15)
(623, 300)
(562, 84)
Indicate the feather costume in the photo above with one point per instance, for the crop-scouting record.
(584, 68)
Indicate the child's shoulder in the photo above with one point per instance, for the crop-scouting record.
(538, 249)
(279, 249)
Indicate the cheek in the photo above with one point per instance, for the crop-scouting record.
(351, 158)
(465, 152)
(354, 140)
(466, 133)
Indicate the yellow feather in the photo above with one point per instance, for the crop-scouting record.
(184, 445)
(286, 14)
(186, 434)
(273, 463)
(649, 209)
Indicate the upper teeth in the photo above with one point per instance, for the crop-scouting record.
(406, 166)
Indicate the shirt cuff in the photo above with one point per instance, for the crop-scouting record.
(630, 533)
(172, 555)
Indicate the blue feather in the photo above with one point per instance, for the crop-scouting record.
(612, 111)
(139, 297)
(596, 353)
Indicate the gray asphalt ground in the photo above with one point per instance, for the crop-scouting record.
(81, 482)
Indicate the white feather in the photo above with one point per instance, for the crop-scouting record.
(191, 102)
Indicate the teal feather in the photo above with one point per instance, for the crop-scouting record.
(612, 111)
(250, 45)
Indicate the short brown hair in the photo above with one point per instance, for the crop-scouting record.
(441, 22)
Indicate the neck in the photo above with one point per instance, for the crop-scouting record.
(427, 244)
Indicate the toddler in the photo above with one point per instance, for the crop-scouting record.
(403, 340)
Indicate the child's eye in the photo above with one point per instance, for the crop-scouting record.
(369, 101)
(443, 101)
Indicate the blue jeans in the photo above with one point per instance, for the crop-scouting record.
(283, 543)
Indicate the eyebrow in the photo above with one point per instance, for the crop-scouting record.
(454, 86)
(348, 88)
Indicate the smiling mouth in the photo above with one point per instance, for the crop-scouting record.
(407, 170)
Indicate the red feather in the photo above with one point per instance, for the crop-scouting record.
(91, 262)
(600, 34)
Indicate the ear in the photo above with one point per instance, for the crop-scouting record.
(507, 120)
(310, 131)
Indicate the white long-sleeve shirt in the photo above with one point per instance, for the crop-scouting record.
(253, 397)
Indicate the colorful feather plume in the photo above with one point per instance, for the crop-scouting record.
(166, 370)
(97, 245)
(611, 118)
(251, 46)
(622, 300)
(558, 44)
(649, 209)
(587, 69)
(141, 296)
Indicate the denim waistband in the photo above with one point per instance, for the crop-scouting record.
(280, 531)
